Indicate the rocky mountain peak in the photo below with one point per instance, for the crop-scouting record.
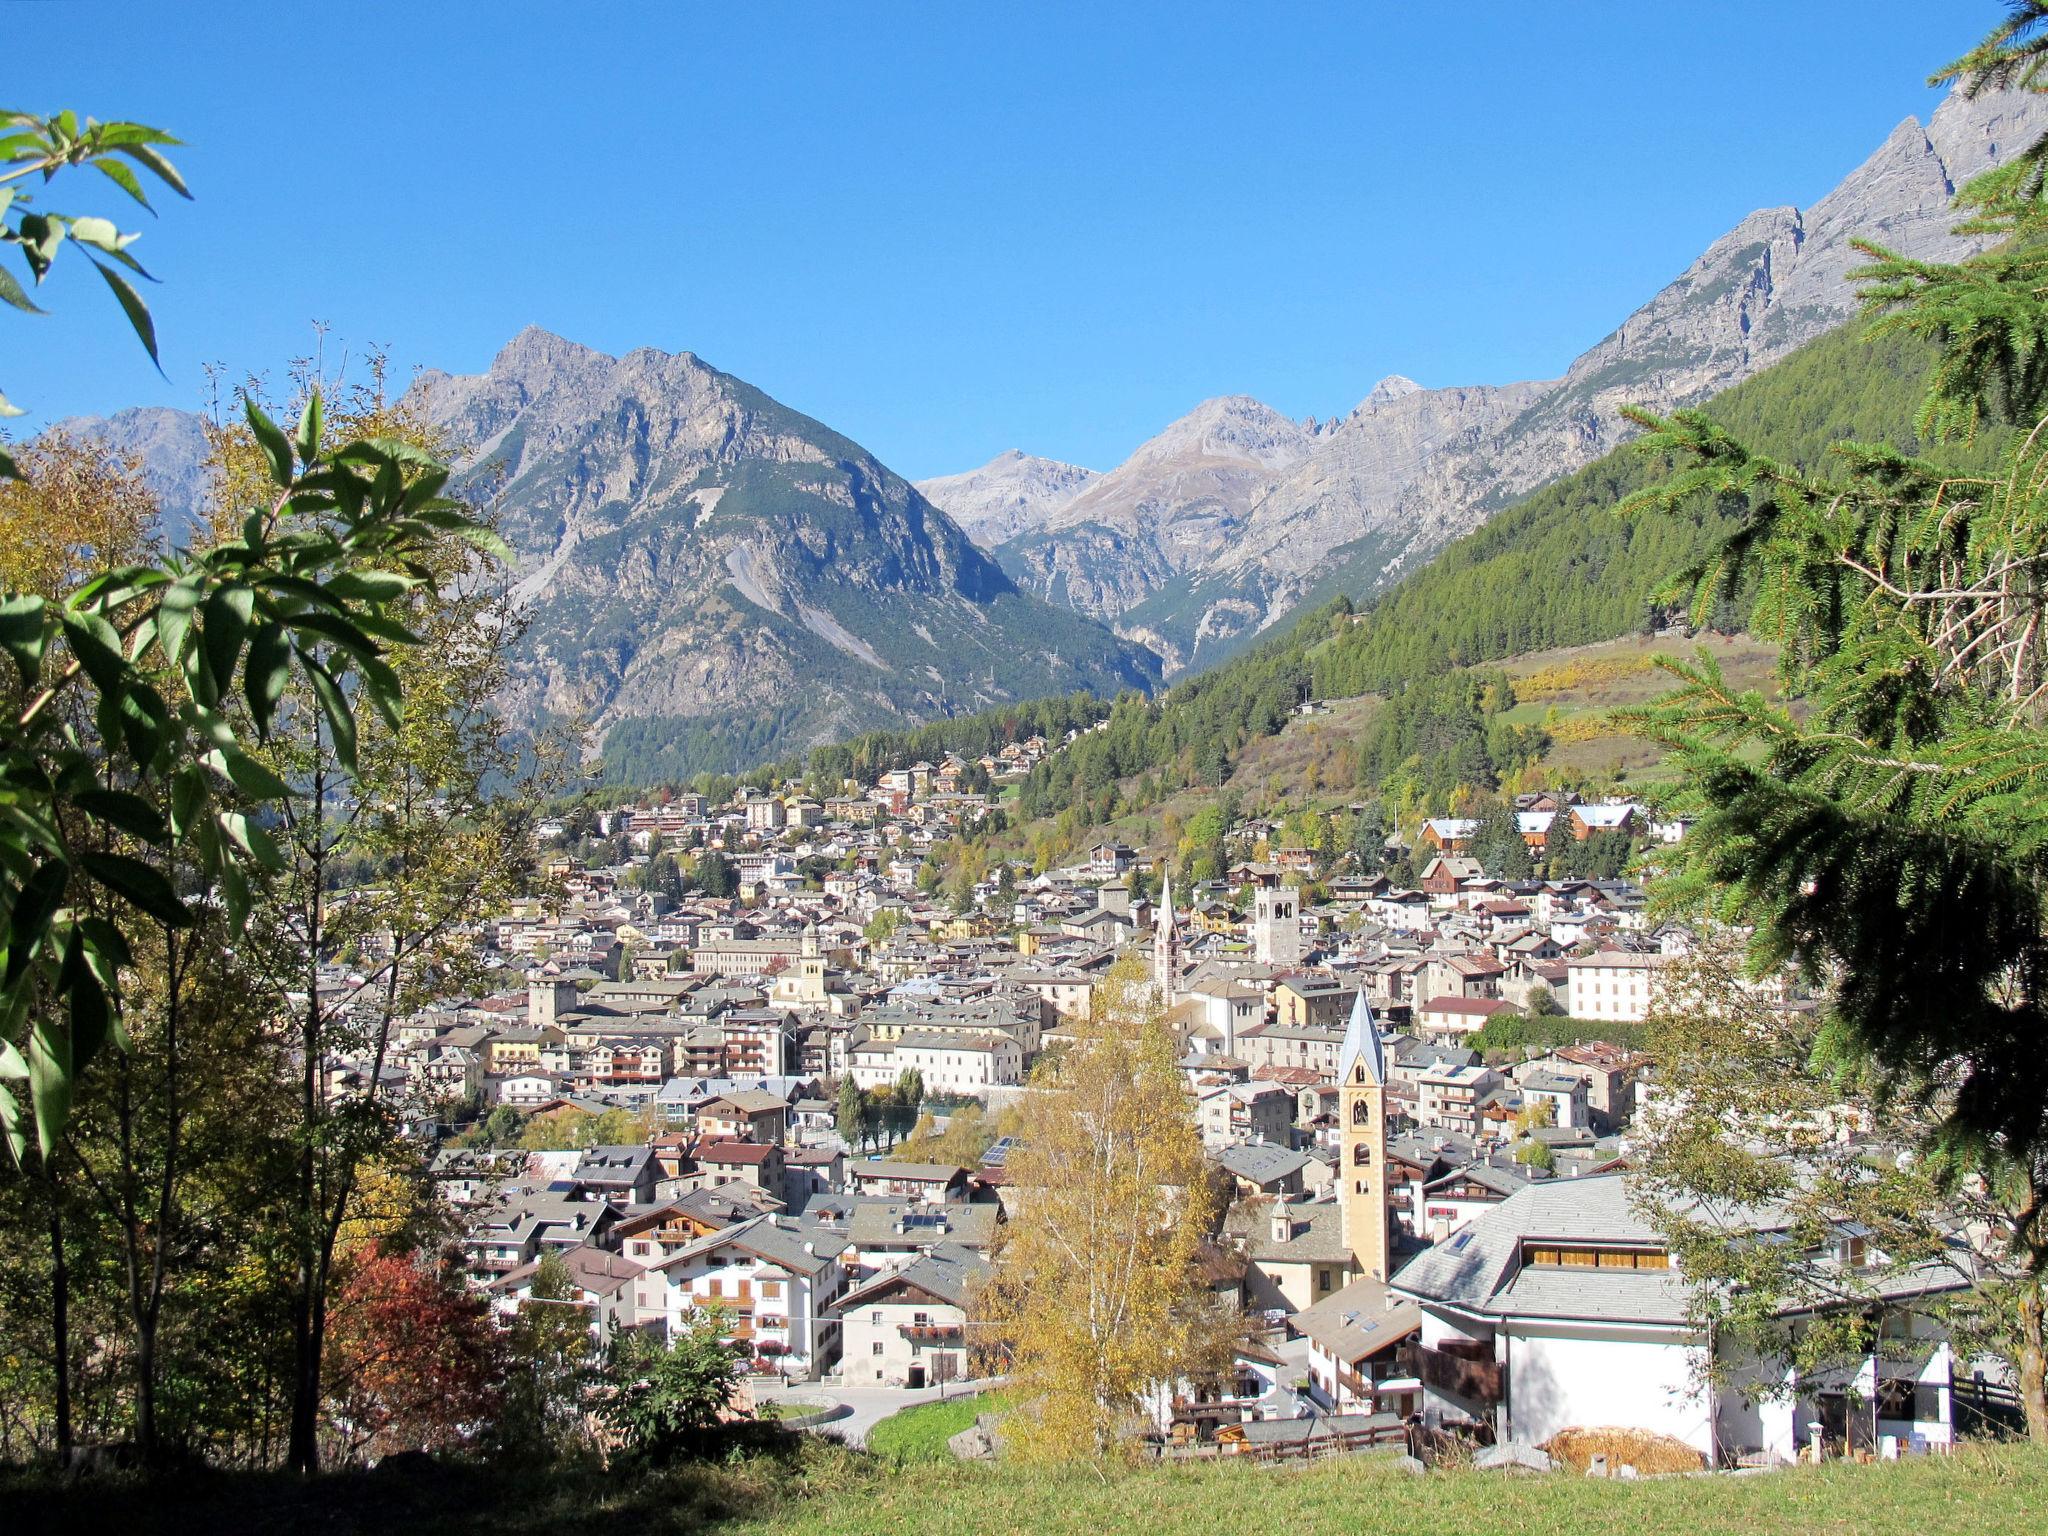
(1013, 493)
(1395, 386)
(1229, 427)
(1409, 469)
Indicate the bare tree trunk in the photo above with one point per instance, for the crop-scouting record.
(309, 1319)
(60, 1320)
(2033, 1363)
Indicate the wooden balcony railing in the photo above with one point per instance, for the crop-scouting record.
(1461, 1375)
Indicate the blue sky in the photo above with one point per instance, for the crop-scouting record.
(949, 230)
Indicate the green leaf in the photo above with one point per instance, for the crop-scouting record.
(386, 693)
(156, 164)
(11, 1131)
(97, 646)
(123, 178)
(105, 952)
(130, 813)
(311, 424)
(234, 889)
(341, 631)
(251, 839)
(189, 794)
(91, 1019)
(265, 674)
(174, 617)
(371, 586)
(100, 234)
(341, 720)
(11, 292)
(40, 897)
(10, 1126)
(50, 1081)
(228, 613)
(140, 884)
(23, 635)
(39, 235)
(276, 451)
(143, 720)
(248, 775)
(133, 307)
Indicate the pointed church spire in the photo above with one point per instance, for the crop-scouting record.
(1165, 946)
(1362, 1043)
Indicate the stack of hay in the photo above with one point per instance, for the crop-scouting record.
(1648, 1452)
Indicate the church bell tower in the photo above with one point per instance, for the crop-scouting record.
(1362, 1111)
(1166, 948)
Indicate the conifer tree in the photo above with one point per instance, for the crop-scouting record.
(1884, 824)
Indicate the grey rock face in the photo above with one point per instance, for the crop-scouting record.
(1013, 493)
(1162, 512)
(696, 556)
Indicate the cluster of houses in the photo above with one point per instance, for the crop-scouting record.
(1419, 1228)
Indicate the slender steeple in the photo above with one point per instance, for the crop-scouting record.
(1165, 947)
(1362, 1133)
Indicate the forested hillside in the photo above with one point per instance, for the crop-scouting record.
(1560, 568)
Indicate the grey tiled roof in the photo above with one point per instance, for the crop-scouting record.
(1478, 1268)
(1362, 1319)
(1261, 1163)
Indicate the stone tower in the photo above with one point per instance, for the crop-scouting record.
(1362, 1112)
(548, 998)
(1276, 925)
(1165, 947)
(810, 987)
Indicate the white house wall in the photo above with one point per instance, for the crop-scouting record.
(1559, 1377)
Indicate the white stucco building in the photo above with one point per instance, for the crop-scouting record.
(1612, 984)
(1561, 1307)
(774, 1279)
(908, 1327)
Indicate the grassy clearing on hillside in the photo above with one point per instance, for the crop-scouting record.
(1310, 760)
(1575, 689)
(921, 1433)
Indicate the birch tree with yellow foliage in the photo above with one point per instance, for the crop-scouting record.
(1095, 1295)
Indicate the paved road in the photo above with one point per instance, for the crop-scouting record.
(870, 1405)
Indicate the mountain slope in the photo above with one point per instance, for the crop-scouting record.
(1012, 493)
(170, 445)
(1381, 490)
(1558, 569)
(713, 578)
(1163, 511)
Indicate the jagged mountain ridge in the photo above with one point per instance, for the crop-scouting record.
(1163, 511)
(1377, 492)
(702, 560)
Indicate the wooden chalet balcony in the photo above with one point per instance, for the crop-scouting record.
(933, 1333)
(1460, 1371)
